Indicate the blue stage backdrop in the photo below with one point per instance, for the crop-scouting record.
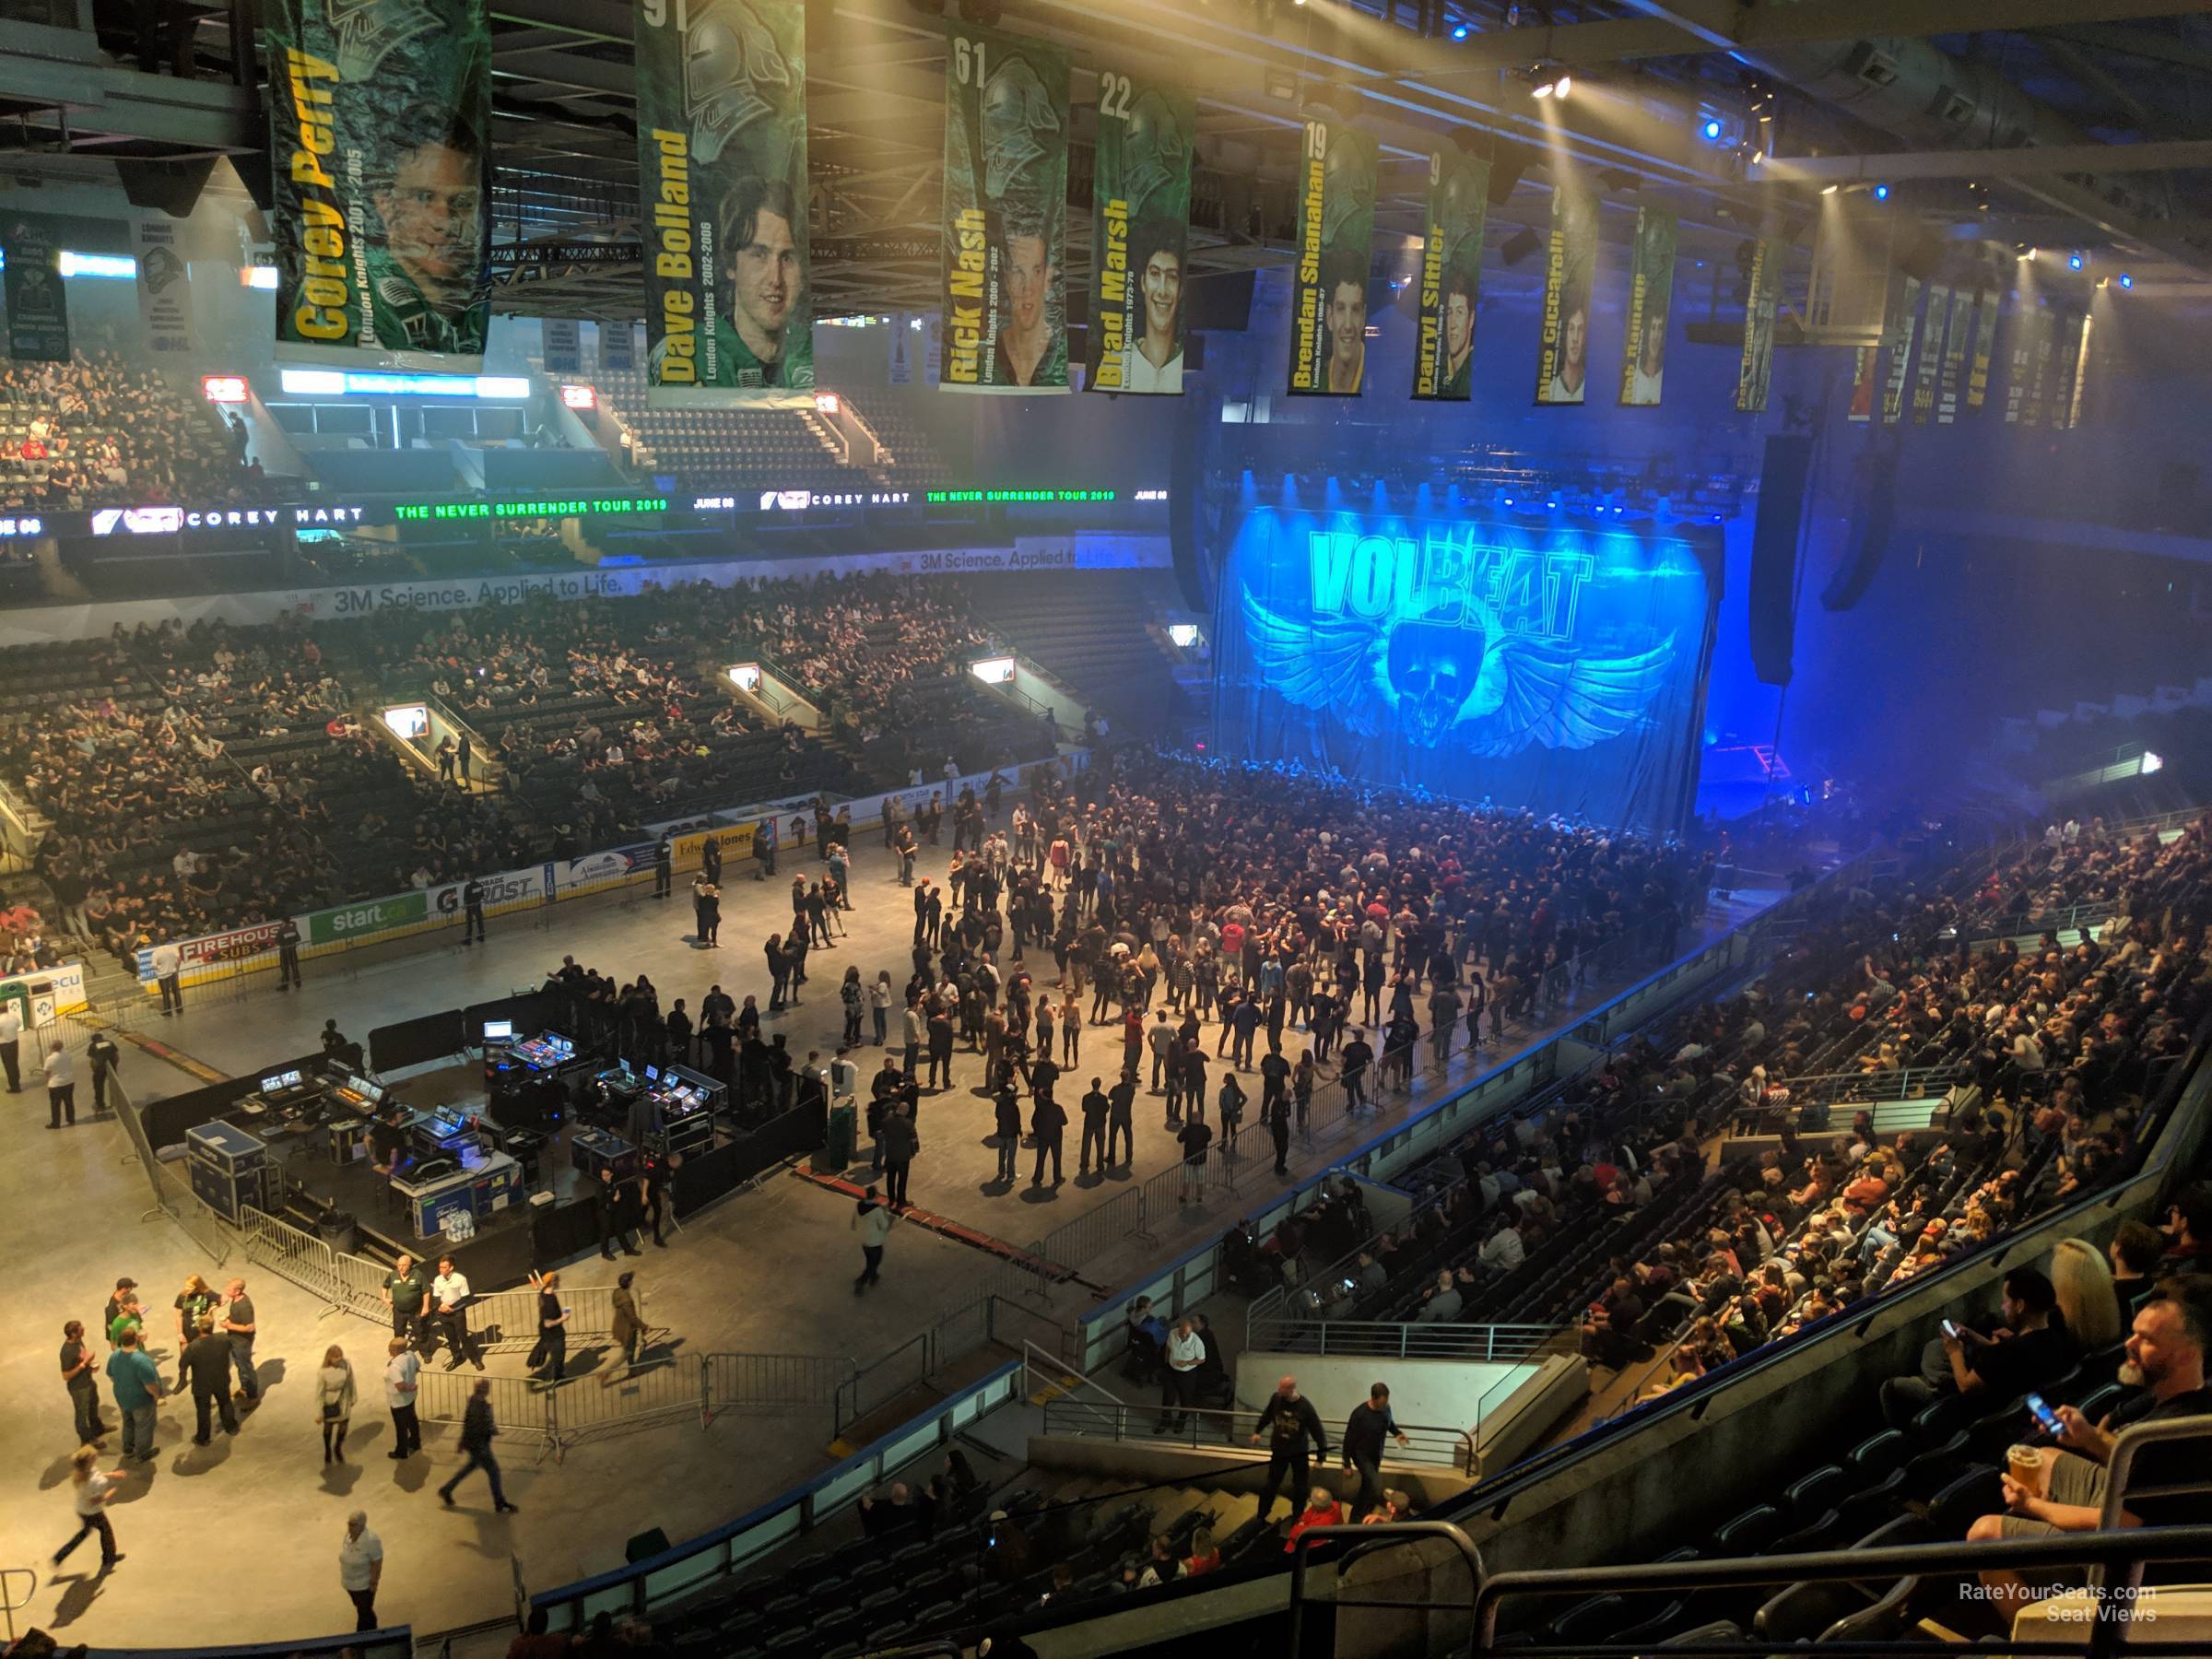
(1555, 661)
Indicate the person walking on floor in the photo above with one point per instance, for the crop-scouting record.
(11, 1039)
(872, 1219)
(853, 996)
(168, 963)
(630, 1328)
(471, 911)
(1047, 1125)
(104, 1059)
(1364, 1432)
(402, 1379)
(1287, 1422)
(1009, 1125)
(205, 1367)
(76, 1376)
(89, 1490)
(136, 1383)
(1095, 1105)
(60, 1086)
(288, 954)
(478, 1433)
(552, 1349)
(901, 1140)
(448, 1302)
(663, 866)
(335, 1395)
(361, 1568)
(238, 1326)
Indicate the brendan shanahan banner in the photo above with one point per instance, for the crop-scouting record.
(380, 111)
(1336, 239)
(1006, 213)
(1459, 198)
(1140, 219)
(721, 155)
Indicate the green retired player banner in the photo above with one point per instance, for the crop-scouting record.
(1755, 369)
(380, 111)
(1336, 237)
(1954, 357)
(1459, 196)
(1006, 213)
(1140, 219)
(1897, 339)
(721, 155)
(38, 312)
(1985, 339)
(1570, 269)
(1931, 354)
(1651, 297)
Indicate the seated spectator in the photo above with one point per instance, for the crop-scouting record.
(2028, 1345)
(1396, 1506)
(1321, 1510)
(2135, 1251)
(1444, 1303)
(1205, 1554)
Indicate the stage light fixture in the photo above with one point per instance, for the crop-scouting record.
(2126, 280)
(1712, 129)
(1459, 31)
(2076, 259)
(1830, 189)
(1881, 192)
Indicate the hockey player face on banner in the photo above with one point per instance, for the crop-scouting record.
(765, 276)
(1163, 298)
(432, 208)
(1347, 319)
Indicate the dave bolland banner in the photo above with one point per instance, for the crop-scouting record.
(1328, 281)
(722, 149)
(380, 118)
(1569, 270)
(1651, 297)
(1459, 198)
(1006, 213)
(1139, 234)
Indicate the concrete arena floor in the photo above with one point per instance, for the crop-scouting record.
(765, 1272)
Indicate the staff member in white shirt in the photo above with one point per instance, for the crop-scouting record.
(93, 1490)
(60, 1086)
(402, 1373)
(449, 1304)
(1186, 1353)
(362, 1567)
(11, 1033)
(168, 961)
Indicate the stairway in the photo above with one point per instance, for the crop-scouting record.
(1178, 1511)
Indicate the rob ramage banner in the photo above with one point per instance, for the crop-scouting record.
(1651, 297)
(1139, 230)
(1004, 212)
(380, 120)
(721, 155)
(1570, 269)
(1328, 282)
(1459, 198)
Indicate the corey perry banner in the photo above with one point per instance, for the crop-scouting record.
(1459, 196)
(722, 149)
(1570, 269)
(1755, 370)
(1004, 212)
(164, 294)
(1140, 221)
(1328, 283)
(38, 314)
(1651, 294)
(380, 111)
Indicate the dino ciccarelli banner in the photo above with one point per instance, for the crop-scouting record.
(1006, 213)
(1651, 294)
(1459, 198)
(721, 152)
(380, 120)
(1139, 230)
(1328, 279)
(1570, 267)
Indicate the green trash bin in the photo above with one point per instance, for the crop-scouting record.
(836, 1154)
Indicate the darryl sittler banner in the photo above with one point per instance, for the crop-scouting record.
(1443, 359)
(721, 147)
(380, 111)
(1140, 222)
(1004, 212)
(1335, 237)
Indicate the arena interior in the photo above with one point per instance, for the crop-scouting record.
(1133, 563)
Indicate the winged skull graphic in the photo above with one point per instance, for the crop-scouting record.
(729, 56)
(1492, 691)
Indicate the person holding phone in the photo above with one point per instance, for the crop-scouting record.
(2029, 1346)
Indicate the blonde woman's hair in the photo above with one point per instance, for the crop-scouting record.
(333, 1355)
(81, 1461)
(2083, 1280)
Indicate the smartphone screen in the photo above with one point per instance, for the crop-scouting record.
(1950, 1328)
(2043, 1413)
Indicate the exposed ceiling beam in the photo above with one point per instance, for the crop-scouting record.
(2027, 162)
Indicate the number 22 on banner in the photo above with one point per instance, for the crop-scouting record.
(966, 60)
(1113, 97)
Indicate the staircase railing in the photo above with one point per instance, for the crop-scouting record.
(1195, 1428)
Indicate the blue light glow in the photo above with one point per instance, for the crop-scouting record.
(1711, 130)
(1881, 192)
(1459, 31)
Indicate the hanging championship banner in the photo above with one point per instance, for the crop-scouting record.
(2043, 326)
(38, 314)
(164, 294)
(379, 113)
(1140, 221)
(618, 347)
(1570, 267)
(1006, 212)
(722, 156)
(1864, 360)
(2022, 353)
(1459, 198)
(933, 349)
(2066, 359)
(1651, 296)
(1954, 357)
(1901, 353)
(2081, 372)
(898, 370)
(1755, 370)
(1985, 340)
(564, 345)
(1931, 354)
(1336, 237)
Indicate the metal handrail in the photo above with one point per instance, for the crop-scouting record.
(1363, 1538)
(9, 1606)
(1120, 1422)
(1401, 1339)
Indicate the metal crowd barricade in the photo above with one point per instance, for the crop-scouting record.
(174, 1196)
(521, 1409)
(745, 1381)
(593, 1403)
(304, 1259)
